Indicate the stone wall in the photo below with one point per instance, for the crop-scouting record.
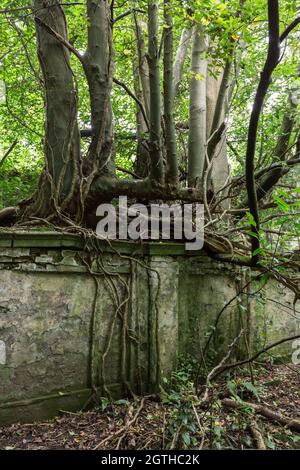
(73, 324)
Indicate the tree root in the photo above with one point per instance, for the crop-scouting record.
(293, 424)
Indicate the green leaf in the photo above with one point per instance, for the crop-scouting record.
(281, 203)
(251, 220)
(186, 438)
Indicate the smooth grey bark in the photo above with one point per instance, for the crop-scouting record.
(180, 58)
(142, 63)
(220, 169)
(98, 66)
(197, 118)
(142, 163)
(171, 148)
(222, 99)
(157, 172)
(213, 83)
(62, 138)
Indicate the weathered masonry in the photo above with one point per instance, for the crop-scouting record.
(74, 322)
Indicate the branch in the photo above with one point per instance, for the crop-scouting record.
(289, 29)
(59, 38)
(215, 138)
(257, 436)
(125, 427)
(259, 353)
(128, 172)
(8, 153)
(265, 80)
(127, 13)
(293, 424)
(180, 58)
(288, 163)
(215, 370)
(132, 95)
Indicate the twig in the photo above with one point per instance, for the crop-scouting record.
(215, 370)
(200, 427)
(124, 428)
(132, 95)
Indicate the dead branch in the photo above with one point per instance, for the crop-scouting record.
(257, 436)
(262, 410)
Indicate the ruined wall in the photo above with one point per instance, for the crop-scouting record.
(73, 324)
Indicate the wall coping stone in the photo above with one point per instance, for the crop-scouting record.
(52, 239)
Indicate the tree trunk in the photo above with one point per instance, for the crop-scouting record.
(171, 148)
(181, 54)
(62, 138)
(220, 169)
(157, 172)
(197, 120)
(143, 64)
(98, 65)
(142, 91)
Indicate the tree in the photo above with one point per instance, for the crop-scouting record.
(152, 92)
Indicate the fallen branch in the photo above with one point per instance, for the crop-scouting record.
(293, 424)
(257, 436)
